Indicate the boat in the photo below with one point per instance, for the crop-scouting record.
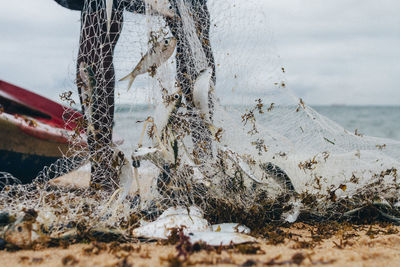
(34, 131)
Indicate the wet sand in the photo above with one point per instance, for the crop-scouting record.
(327, 245)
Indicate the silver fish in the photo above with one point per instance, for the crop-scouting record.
(162, 116)
(165, 110)
(109, 6)
(19, 234)
(22, 232)
(202, 88)
(162, 7)
(156, 56)
(87, 76)
(194, 226)
(125, 173)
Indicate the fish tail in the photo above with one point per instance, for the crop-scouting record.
(131, 76)
(126, 77)
(130, 82)
(109, 6)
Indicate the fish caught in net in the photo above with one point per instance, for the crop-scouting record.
(221, 131)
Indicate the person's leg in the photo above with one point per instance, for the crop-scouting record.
(202, 23)
(72, 4)
(96, 51)
(187, 72)
(135, 6)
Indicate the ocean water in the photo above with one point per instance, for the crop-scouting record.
(379, 121)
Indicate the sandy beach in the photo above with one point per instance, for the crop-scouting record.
(328, 244)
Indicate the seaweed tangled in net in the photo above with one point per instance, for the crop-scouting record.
(223, 131)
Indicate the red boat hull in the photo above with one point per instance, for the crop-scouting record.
(33, 133)
(42, 109)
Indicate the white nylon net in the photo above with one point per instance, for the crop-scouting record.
(219, 128)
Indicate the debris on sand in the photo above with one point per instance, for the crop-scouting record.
(195, 227)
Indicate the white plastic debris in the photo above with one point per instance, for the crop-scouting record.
(220, 238)
(144, 151)
(231, 228)
(292, 215)
(173, 218)
(195, 227)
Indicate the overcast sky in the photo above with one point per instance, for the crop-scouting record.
(334, 51)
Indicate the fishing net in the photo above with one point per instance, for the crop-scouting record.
(209, 121)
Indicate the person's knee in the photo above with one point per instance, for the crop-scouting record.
(72, 4)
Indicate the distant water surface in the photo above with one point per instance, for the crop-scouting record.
(379, 121)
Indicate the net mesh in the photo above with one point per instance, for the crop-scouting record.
(210, 122)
